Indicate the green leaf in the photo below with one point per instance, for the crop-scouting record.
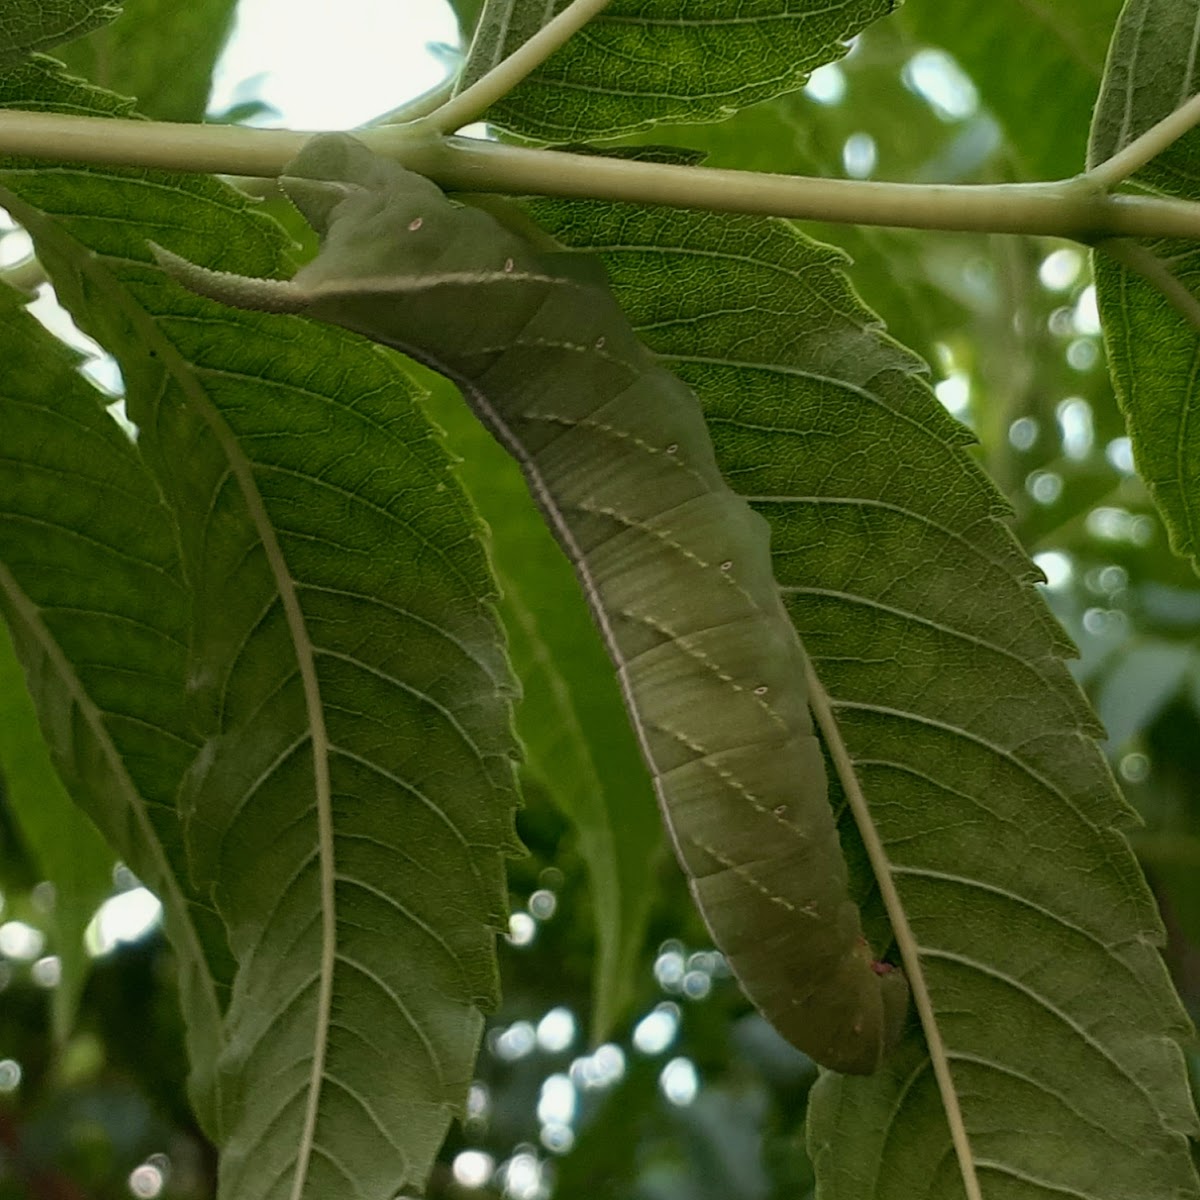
(29, 25)
(467, 12)
(91, 589)
(1044, 104)
(65, 845)
(352, 803)
(675, 568)
(161, 52)
(962, 726)
(905, 275)
(1149, 299)
(642, 62)
(961, 743)
(571, 720)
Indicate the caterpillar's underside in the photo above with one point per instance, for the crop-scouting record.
(675, 566)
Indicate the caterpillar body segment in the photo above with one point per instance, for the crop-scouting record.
(675, 566)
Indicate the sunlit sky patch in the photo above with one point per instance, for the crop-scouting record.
(313, 66)
(16, 246)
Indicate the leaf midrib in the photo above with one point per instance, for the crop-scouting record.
(906, 942)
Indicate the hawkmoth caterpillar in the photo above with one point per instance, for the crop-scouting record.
(675, 567)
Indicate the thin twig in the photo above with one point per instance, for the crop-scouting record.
(1147, 146)
(471, 104)
(219, 149)
(1072, 208)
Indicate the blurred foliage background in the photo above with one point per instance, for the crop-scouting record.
(694, 1096)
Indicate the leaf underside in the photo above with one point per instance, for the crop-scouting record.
(63, 842)
(90, 587)
(642, 62)
(30, 25)
(972, 745)
(1148, 293)
(352, 800)
(974, 749)
(971, 742)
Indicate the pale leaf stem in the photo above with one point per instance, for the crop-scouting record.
(1147, 146)
(471, 104)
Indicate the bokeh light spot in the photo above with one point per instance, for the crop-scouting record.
(859, 155)
(941, 83)
(556, 1030)
(1060, 269)
(21, 941)
(146, 1181)
(679, 1081)
(522, 929)
(126, 917)
(473, 1168)
(1056, 567)
(657, 1029)
(827, 84)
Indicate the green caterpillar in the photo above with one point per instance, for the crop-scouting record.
(675, 567)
